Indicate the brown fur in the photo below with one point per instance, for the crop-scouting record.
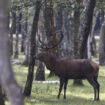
(67, 68)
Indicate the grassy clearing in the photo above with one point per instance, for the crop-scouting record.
(46, 94)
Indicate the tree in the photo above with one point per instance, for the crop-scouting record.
(16, 53)
(76, 23)
(91, 39)
(23, 31)
(28, 86)
(102, 46)
(40, 72)
(7, 79)
(27, 32)
(85, 28)
(2, 101)
(11, 40)
(49, 26)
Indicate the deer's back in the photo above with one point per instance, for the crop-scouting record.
(74, 68)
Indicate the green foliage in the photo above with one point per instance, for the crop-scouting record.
(46, 94)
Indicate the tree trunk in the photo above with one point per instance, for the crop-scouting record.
(76, 29)
(59, 24)
(23, 40)
(11, 40)
(102, 46)
(40, 72)
(14, 20)
(16, 53)
(91, 41)
(7, 80)
(76, 24)
(2, 101)
(12, 31)
(53, 39)
(66, 43)
(20, 21)
(28, 86)
(27, 32)
(49, 25)
(23, 31)
(85, 27)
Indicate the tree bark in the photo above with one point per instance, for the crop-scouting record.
(91, 41)
(27, 38)
(40, 72)
(76, 28)
(76, 23)
(28, 86)
(102, 46)
(11, 40)
(2, 101)
(23, 32)
(59, 24)
(85, 27)
(49, 26)
(7, 80)
(16, 53)
(23, 40)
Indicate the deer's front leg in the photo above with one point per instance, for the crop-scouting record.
(65, 86)
(60, 88)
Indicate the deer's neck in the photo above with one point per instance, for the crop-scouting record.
(51, 63)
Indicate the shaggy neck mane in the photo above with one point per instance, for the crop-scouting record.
(50, 64)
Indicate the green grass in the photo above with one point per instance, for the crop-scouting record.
(46, 94)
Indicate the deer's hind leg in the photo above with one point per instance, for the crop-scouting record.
(98, 87)
(94, 85)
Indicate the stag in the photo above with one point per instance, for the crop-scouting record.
(68, 68)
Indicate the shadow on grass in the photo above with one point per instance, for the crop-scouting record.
(69, 101)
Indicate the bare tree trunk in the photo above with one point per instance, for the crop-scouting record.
(102, 46)
(49, 25)
(27, 49)
(59, 24)
(23, 31)
(76, 40)
(53, 39)
(76, 24)
(2, 101)
(27, 31)
(23, 40)
(66, 26)
(91, 40)
(11, 40)
(85, 27)
(16, 53)
(40, 72)
(7, 80)
(14, 20)
(12, 31)
(28, 86)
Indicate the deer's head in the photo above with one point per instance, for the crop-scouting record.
(45, 50)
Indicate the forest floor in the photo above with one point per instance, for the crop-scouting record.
(46, 93)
